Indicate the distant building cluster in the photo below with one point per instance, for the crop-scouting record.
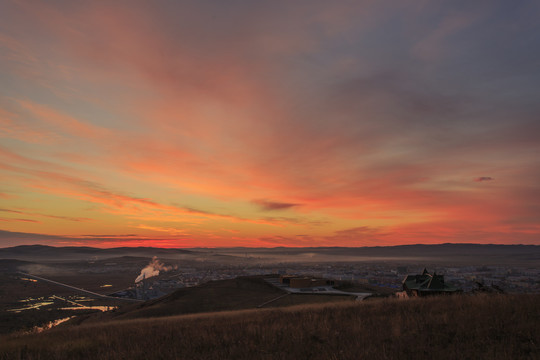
(401, 278)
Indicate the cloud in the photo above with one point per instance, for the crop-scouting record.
(68, 218)
(273, 205)
(6, 196)
(19, 220)
(60, 122)
(168, 230)
(484, 178)
(57, 182)
(12, 211)
(12, 238)
(101, 236)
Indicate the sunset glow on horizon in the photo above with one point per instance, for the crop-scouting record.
(263, 124)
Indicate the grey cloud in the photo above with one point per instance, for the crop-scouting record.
(273, 205)
(484, 178)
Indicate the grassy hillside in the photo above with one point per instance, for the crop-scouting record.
(454, 327)
(222, 295)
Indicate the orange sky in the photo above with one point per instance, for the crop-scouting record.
(207, 124)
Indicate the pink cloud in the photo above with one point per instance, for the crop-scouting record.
(63, 122)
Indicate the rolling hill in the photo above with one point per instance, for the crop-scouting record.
(248, 292)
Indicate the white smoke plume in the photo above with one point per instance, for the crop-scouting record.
(152, 269)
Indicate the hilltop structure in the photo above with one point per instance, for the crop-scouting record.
(426, 284)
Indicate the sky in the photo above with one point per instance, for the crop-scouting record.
(269, 123)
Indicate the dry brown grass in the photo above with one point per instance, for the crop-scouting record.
(452, 327)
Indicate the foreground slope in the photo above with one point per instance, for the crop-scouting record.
(453, 327)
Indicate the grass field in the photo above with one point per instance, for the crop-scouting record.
(451, 327)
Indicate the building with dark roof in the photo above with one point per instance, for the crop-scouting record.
(427, 284)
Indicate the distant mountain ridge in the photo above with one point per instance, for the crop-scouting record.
(438, 252)
(443, 245)
(39, 251)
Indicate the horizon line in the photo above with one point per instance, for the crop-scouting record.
(260, 247)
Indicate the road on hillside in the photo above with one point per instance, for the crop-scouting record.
(317, 290)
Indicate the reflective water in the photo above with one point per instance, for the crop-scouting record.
(35, 305)
(77, 300)
(101, 308)
(50, 324)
